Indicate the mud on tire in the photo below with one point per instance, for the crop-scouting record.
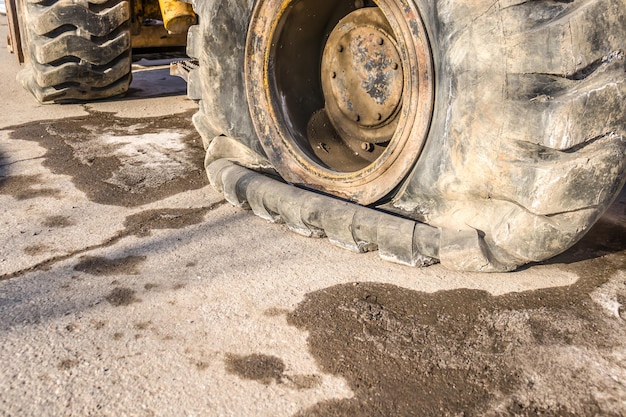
(527, 138)
(75, 50)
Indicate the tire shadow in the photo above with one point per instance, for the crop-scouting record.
(606, 237)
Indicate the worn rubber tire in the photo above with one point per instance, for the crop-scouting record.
(528, 140)
(218, 42)
(75, 50)
(527, 143)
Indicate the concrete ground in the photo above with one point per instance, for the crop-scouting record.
(128, 287)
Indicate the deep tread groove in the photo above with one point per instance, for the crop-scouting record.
(63, 14)
(77, 52)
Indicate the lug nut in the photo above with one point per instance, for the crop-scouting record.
(366, 146)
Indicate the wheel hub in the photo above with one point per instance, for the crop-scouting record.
(341, 95)
(362, 77)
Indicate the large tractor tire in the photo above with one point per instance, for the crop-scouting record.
(486, 135)
(75, 50)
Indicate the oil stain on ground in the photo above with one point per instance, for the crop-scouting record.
(26, 187)
(57, 222)
(552, 352)
(97, 265)
(138, 224)
(256, 367)
(142, 223)
(113, 160)
(122, 296)
(268, 369)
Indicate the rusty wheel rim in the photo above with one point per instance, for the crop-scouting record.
(341, 95)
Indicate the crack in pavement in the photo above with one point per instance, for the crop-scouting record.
(20, 160)
(137, 228)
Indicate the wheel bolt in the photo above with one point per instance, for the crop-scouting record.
(366, 146)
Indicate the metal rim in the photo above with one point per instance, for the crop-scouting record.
(307, 64)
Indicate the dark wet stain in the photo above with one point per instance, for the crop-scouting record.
(256, 367)
(134, 228)
(150, 286)
(98, 324)
(64, 138)
(67, 364)
(202, 365)
(190, 264)
(276, 312)
(466, 352)
(122, 296)
(57, 221)
(140, 224)
(178, 286)
(26, 187)
(303, 382)
(35, 250)
(118, 335)
(144, 325)
(96, 265)
(267, 369)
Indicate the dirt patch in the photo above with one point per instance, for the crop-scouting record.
(98, 324)
(96, 265)
(144, 325)
(35, 250)
(72, 327)
(113, 160)
(303, 382)
(67, 364)
(465, 352)
(142, 223)
(26, 187)
(276, 312)
(202, 365)
(57, 222)
(135, 226)
(267, 369)
(256, 367)
(122, 296)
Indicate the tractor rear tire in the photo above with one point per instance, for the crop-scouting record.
(75, 51)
